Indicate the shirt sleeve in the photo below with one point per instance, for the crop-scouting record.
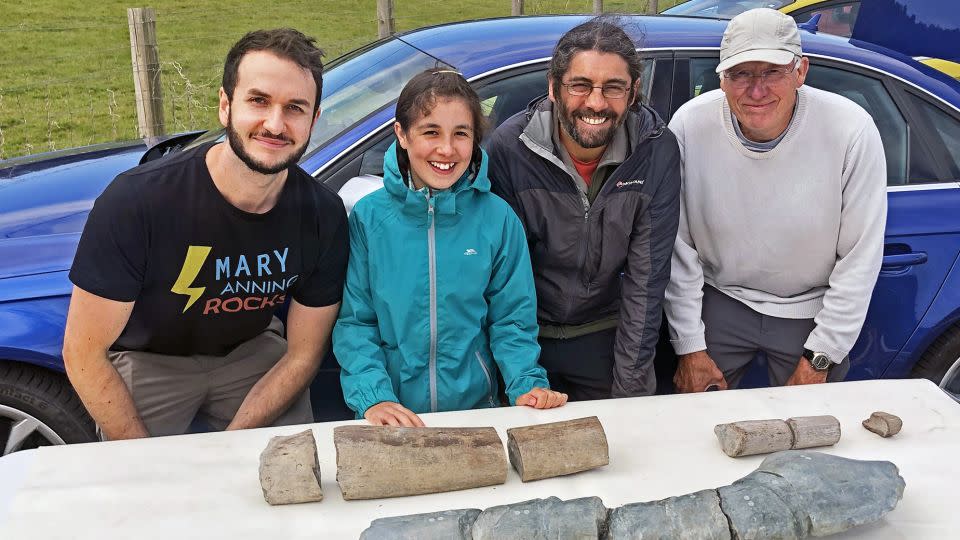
(512, 316)
(323, 286)
(111, 257)
(683, 298)
(859, 247)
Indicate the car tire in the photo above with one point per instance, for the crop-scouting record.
(942, 355)
(39, 408)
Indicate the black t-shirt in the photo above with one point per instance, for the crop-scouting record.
(205, 275)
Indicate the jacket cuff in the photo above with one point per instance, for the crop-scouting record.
(689, 345)
(371, 398)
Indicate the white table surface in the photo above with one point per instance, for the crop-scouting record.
(206, 486)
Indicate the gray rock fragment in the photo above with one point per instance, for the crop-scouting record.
(543, 519)
(290, 471)
(883, 424)
(797, 493)
(449, 524)
(696, 515)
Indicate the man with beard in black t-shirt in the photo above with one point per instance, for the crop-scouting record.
(184, 261)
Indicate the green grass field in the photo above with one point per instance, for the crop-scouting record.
(66, 79)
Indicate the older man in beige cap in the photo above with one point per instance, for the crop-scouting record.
(782, 214)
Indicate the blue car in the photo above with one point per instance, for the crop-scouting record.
(913, 325)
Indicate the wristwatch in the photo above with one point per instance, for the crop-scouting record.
(820, 361)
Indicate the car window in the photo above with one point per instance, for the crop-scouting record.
(722, 9)
(866, 91)
(944, 132)
(837, 19)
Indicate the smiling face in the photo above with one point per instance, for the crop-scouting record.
(439, 144)
(590, 121)
(270, 115)
(764, 108)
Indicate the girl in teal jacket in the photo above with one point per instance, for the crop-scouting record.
(439, 285)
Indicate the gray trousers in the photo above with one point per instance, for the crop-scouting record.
(170, 391)
(736, 333)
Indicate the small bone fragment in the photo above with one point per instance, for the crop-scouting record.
(290, 471)
(385, 461)
(543, 519)
(697, 515)
(752, 437)
(883, 424)
(813, 431)
(449, 524)
(558, 448)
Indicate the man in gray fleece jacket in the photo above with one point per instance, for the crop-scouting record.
(783, 204)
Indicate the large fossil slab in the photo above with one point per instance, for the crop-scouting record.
(791, 495)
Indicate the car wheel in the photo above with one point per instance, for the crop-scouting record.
(941, 362)
(39, 408)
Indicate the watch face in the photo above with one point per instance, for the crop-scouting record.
(820, 362)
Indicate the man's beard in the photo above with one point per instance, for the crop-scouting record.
(599, 139)
(236, 144)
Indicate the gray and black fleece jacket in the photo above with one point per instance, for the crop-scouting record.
(608, 260)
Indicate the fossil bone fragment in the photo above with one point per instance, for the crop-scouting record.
(557, 448)
(385, 461)
(764, 436)
(289, 470)
(791, 495)
(883, 424)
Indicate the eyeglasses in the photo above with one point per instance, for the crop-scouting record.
(611, 91)
(744, 79)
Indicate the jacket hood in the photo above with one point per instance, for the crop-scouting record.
(445, 202)
(642, 123)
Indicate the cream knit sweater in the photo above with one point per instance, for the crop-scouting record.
(796, 232)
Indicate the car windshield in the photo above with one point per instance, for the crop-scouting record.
(722, 9)
(356, 85)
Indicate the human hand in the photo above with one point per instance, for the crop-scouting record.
(542, 398)
(806, 374)
(388, 413)
(696, 372)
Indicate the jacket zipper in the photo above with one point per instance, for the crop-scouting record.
(432, 255)
(486, 373)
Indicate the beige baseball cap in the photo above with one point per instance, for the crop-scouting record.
(759, 35)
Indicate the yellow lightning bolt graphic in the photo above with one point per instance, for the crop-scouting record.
(196, 255)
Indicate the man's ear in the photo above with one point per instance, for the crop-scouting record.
(803, 66)
(223, 110)
(550, 89)
(635, 93)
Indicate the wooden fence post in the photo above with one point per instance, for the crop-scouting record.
(146, 70)
(597, 7)
(385, 22)
(652, 7)
(516, 7)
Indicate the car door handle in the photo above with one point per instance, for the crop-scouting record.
(903, 259)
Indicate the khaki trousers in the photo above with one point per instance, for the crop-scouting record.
(170, 391)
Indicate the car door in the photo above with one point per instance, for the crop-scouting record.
(921, 241)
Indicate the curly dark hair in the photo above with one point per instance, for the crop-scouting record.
(605, 34)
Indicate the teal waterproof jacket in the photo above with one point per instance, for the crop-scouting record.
(439, 288)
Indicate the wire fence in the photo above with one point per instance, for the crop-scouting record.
(65, 65)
